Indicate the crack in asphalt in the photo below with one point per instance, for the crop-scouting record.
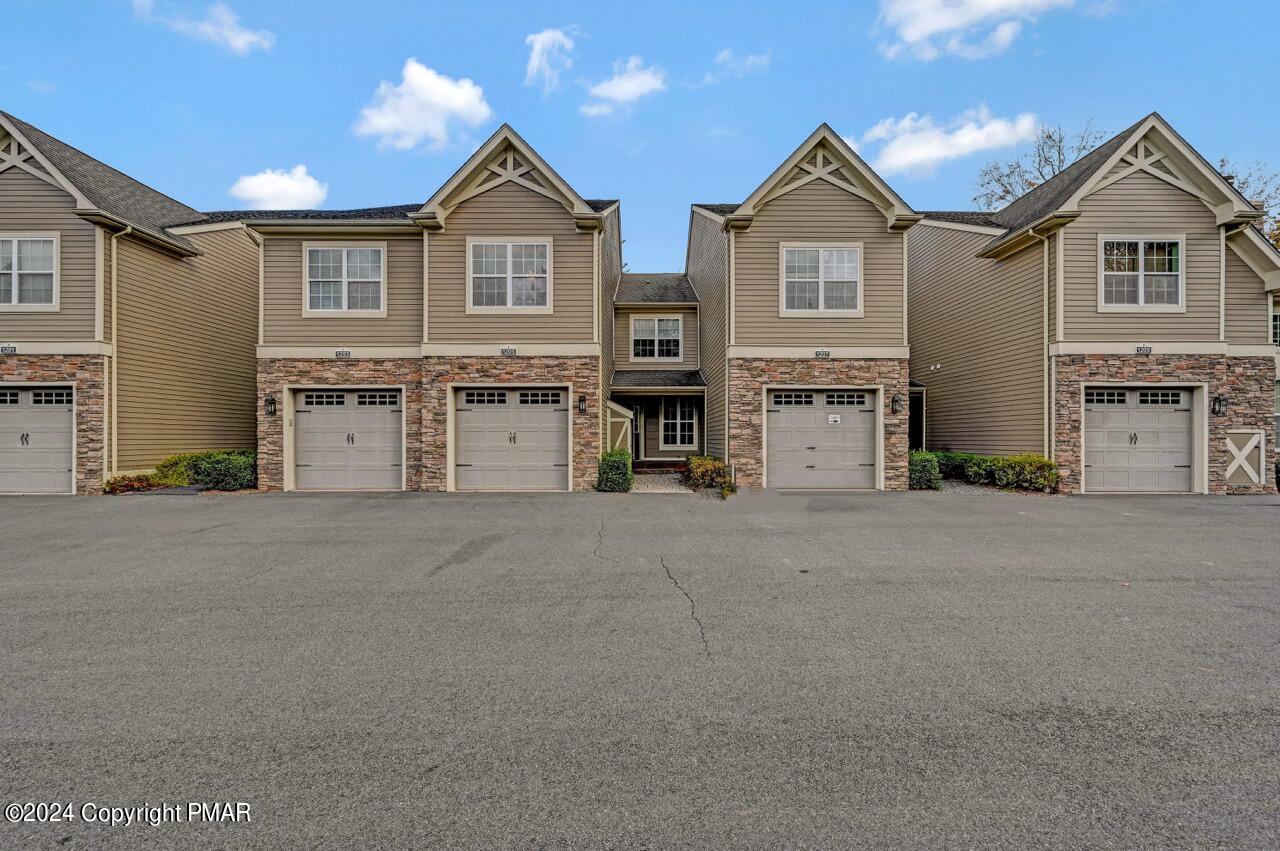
(600, 544)
(693, 607)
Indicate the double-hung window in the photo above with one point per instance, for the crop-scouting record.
(679, 423)
(509, 276)
(344, 280)
(655, 338)
(28, 272)
(1275, 320)
(821, 280)
(1141, 274)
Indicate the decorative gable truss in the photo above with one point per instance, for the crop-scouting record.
(1157, 150)
(504, 159)
(15, 153)
(825, 156)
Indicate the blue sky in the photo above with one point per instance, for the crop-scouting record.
(191, 97)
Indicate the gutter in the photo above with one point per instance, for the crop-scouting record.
(114, 222)
(1024, 237)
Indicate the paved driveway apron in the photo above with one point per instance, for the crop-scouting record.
(504, 670)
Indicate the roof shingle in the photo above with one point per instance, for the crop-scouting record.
(655, 288)
(623, 378)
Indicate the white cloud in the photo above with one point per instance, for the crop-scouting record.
(423, 106)
(916, 143)
(220, 25)
(276, 189)
(548, 58)
(42, 87)
(631, 81)
(969, 29)
(730, 64)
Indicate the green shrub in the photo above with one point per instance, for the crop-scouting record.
(923, 472)
(224, 471)
(979, 469)
(1025, 472)
(175, 471)
(614, 475)
(704, 472)
(951, 464)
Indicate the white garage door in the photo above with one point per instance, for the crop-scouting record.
(821, 439)
(511, 439)
(37, 439)
(348, 440)
(1137, 440)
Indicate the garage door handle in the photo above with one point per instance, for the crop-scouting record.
(25, 440)
(811, 447)
(809, 467)
(1183, 466)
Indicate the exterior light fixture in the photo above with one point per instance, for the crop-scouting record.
(895, 404)
(582, 404)
(1219, 406)
(269, 405)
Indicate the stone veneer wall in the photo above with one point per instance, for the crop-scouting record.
(89, 374)
(746, 409)
(1247, 382)
(274, 374)
(426, 382)
(440, 372)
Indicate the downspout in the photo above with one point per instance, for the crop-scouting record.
(115, 344)
(1044, 314)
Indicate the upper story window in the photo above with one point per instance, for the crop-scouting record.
(346, 280)
(28, 272)
(1141, 274)
(509, 276)
(821, 280)
(1275, 321)
(655, 338)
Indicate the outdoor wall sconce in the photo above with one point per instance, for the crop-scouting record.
(1219, 406)
(269, 405)
(895, 404)
(582, 404)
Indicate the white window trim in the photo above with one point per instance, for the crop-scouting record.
(344, 313)
(1180, 307)
(662, 420)
(1271, 324)
(57, 273)
(508, 308)
(655, 316)
(820, 313)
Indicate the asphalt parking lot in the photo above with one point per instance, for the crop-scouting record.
(955, 670)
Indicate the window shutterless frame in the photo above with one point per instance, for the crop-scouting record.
(1143, 273)
(821, 278)
(349, 274)
(509, 274)
(684, 419)
(27, 271)
(651, 330)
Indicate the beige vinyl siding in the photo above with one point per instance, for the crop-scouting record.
(107, 260)
(185, 356)
(1142, 204)
(688, 342)
(1248, 304)
(1051, 310)
(285, 293)
(981, 320)
(511, 210)
(610, 272)
(817, 212)
(28, 204)
(706, 266)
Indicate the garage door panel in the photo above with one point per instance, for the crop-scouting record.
(821, 439)
(348, 440)
(37, 439)
(1138, 440)
(511, 439)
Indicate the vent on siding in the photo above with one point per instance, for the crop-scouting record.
(485, 397)
(1106, 397)
(324, 400)
(846, 397)
(1159, 397)
(793, 399)
(539, 397)
(377, 398)
(51, 397)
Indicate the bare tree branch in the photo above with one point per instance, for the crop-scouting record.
(1053, 150)
(1259, 183)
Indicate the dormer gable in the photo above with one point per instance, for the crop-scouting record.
(825, 156)
(504, 159)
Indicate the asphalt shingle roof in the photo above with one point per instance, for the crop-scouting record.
(109, 189)
(964, 217)
(655, 288)
(624, 378)
(395, 211)
(719, 209)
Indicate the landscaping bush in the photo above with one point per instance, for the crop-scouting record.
(923, 472)
(224, 471)
(132, 483)
(702, 472)
(951, 464)
(979, 469)
(614, 474)
(1025, 472)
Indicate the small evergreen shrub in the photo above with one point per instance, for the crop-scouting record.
(923, 472)
(1025, 472)
(614, 474)
(951, 464)
(979, 469)
(703, 472)
(224, 471)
